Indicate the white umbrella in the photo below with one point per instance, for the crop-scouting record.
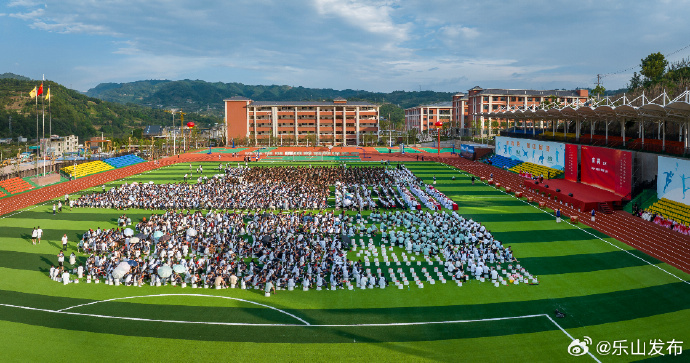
(191, 232)
(164, 271)
(134, 240)
(121, 270)
(179, 269)
(151, 182)
(129, 232)
(157, 234)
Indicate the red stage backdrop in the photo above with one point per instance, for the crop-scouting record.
(607, 168)
(571, 162)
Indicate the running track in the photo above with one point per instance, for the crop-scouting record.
(656, 241)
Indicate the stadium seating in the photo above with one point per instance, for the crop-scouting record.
(503, 162)
(671, 210)
(537, 170)
(15, 185)
(85, 169)
(122, 161)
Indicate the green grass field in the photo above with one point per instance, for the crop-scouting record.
(608, 290)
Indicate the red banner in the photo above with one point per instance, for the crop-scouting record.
(571, 162)
(608, 169)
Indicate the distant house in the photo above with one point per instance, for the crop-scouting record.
(21, 139)
(153, 131)
(57, 145)
(6, 141)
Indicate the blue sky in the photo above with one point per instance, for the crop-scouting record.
(440, 45)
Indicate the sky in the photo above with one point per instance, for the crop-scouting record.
(387, 45)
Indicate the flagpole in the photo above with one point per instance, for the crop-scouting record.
(38, 142)
(50, 114)
(43, 106)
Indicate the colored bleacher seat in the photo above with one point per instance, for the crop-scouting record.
(15, 185)
(122, 161)
(673, 210)
(537, 170)
(504, 162)
(85, 169)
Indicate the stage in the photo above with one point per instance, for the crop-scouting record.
(585, 197)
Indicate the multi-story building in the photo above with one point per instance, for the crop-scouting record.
(460, 111)
(56, 145)
(423, 118)
(339, 122)
(492, 100)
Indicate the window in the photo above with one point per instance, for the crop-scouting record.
(486, 98)
(503, 98)
(494, 107)
(529, 99)
(486, 107)
(512, 99)
(520, 99)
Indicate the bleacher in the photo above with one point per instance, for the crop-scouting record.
(122, 161)
(657, 146)
(671, 210)
(15, 185)
(85, 169)
(503, 162)
(537, 170)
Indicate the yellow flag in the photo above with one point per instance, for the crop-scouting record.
(48, 94)
(33, 93)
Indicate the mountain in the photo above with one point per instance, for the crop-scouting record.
(14, 76)
(75, 113)
(207, 98)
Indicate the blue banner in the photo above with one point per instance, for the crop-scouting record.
(546, 153)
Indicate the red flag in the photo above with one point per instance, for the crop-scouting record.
(40, 89)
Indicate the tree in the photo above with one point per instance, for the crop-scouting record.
(599, 90)
(653, 67)
(635, 82)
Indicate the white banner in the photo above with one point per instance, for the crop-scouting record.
(673, 179)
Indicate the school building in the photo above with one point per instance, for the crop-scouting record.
(481, 100)
(338, 122)
(423, 118)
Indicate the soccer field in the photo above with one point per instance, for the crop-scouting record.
(608, 291)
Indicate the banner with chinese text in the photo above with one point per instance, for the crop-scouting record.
(608, 169)
(546, 153)
(571, 162)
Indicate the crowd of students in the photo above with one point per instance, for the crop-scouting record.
(263, 250)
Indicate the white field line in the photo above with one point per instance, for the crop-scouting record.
(590, 233)
(571, 337)
(285, 325)
(196, 295)
(62, 311)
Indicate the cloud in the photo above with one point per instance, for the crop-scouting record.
(375, 44)
(371, 16)
(453, 32)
